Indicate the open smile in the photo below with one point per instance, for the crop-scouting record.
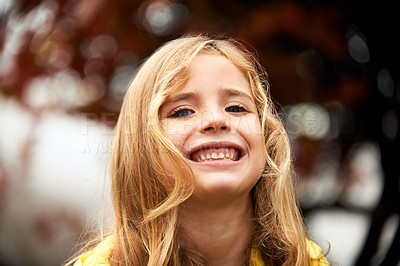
(209, 154)
(216, 151)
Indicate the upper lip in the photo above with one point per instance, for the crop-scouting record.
(216, 144)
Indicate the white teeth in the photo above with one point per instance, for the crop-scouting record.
(222, 154)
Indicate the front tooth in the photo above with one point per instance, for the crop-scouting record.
(202, 157)
(221, 155)
(214, 155)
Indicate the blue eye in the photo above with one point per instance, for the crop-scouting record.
(181, 113)
(235, 109)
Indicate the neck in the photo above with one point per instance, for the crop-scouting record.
(221, 233)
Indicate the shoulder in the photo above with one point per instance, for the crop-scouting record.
(99, 255)
(313, 251)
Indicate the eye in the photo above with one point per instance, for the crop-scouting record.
(181, 112)
(236, 109)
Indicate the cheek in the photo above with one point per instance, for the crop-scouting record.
(253, 132)
(172, 127)
(166, 170)
(177, 132)
(166, 167)
(255, 138)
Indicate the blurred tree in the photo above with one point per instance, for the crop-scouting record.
(80, 56)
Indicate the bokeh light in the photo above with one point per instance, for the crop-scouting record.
(358, 48)
(161, 17)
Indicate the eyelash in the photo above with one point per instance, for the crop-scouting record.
(244, 109)
(175, 113)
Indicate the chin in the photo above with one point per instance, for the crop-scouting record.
(222, 185)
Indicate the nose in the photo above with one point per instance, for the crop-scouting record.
(214, 120)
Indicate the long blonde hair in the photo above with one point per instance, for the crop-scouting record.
(146, 201)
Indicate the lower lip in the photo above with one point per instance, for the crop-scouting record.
(219, 163)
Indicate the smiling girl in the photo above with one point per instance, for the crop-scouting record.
(201, 169)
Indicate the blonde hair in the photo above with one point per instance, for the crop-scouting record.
(146, 201)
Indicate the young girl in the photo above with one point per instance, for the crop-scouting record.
(201, 169)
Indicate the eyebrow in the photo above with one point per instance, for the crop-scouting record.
(230, 92)
(181, 97)
(236, 93)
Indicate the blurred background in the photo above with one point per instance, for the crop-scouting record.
(334, 74)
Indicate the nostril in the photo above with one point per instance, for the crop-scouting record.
(210, 128)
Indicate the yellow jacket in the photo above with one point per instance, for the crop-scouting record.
(101, 253)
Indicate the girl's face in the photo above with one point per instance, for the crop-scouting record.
(213, 121)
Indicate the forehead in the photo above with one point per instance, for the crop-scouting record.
(209, 63)
(207, 75)
(215, 71)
